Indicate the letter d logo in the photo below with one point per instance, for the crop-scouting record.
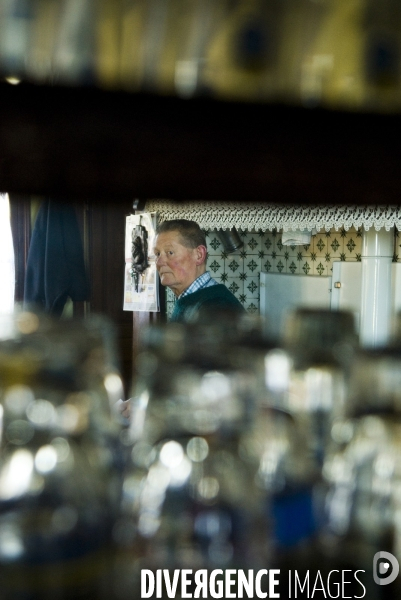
(383, 567)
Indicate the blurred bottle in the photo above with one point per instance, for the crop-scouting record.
(306, 381)
(191, 493)
(131, 34)
(74, 50)
(321, 344)
(363, 471)
(109, 28)
(363, 466)
(16, 22)
(331, 70)
(204, 22)
(382, 55)
(242, 56)
(163, 44)
(49, 41)
(44, 32)
(302, 67)
(60, 460)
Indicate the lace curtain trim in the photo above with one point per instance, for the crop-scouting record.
(266, 217)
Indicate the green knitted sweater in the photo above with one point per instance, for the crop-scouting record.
(215, 298)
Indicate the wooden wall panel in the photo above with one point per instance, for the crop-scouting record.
(105, 239)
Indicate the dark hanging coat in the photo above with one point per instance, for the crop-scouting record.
(55, 268)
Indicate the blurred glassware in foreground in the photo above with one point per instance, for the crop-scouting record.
(191, 489)
(229, 428)
(363, 466)
(60, 458)
(307, 377)
(240, 453)
(338, 54)
(363, 471)
(306, 382)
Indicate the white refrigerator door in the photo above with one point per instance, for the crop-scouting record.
(347, 288)
(279, 294)
(396, 287)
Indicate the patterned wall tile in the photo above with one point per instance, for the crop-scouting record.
(214, 244)
(215, 266)
(264, 251)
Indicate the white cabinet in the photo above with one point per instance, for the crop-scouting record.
(280, 293)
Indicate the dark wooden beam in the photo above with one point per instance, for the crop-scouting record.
(88, 143)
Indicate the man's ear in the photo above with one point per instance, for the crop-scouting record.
(200, 254)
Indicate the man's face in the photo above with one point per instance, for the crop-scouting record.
(177, 265)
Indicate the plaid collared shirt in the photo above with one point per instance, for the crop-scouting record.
(203, 281)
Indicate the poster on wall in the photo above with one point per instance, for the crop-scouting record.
(140, 276)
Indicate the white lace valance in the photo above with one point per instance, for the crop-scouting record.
(252, 215)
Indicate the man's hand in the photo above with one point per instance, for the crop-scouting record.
(123, 408)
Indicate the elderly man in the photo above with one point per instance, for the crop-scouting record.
(180, 251)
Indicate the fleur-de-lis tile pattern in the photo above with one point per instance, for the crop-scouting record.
(264, 251)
